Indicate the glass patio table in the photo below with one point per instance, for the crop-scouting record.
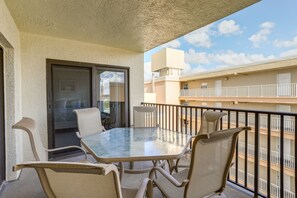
(136, 144)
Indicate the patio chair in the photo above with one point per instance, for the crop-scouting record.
(88, 121)
(111, 119)
(64, 180)
(39, 151)
(145, 116)
(211, 158)
(210, 122)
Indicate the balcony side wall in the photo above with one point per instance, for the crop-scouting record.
(10, 41)
(36, 49)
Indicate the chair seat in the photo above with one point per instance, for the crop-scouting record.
(129, 193)
(168, 188)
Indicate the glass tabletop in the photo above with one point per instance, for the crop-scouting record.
(136, 144)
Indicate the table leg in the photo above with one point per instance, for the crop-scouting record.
(121, 171)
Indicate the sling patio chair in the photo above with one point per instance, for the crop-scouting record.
(65, 179)
(144, 116)
(210, 122)
(88, 121)
(211, 159)
(39, 151)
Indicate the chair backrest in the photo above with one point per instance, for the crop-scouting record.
(210, 162)
(29, 125)
(65, 179)
(145, 116)
(88, 121)
(210, 121)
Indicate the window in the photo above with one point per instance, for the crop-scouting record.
(186, 86)
(203, 85)
(204, 104)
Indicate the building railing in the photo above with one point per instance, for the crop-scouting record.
(274, 155)
(271, 90)
(275, 189)
(187, 119)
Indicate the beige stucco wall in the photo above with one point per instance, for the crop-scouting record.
(36, 49)
(166, 90)
(160, 92)
(259, 78)
(168, 58)
(10, 41)
(172, 92)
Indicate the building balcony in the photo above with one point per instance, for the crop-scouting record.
(289, 161)
(274, 188)
(272, 93)
(262, 149)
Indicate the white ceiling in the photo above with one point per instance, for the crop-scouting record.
(137, 25)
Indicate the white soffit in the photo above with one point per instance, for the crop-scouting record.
(129, 24)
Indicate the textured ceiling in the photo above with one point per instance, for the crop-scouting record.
(137, 25)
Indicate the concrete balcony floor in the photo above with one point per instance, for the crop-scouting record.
(28, 185)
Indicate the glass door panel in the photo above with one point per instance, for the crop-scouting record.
(71, 90)
(111, 96)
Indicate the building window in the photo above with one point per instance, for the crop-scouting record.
(218, 104)
(204, 104)
(203, 85)
(186, 86)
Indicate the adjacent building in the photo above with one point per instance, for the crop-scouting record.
(267, 86)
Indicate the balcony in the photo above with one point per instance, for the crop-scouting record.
(274, 155)
(256, 156)
(267, 93)
(275, 189)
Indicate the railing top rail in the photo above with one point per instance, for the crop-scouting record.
(227, 109)
(243, 86)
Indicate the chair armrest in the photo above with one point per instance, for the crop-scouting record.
(68, 147)
(168, 177)
(78, 135)
(145, 187)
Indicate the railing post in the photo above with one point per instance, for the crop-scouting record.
(256, 163)
(295, 160)
(282, 156)
(268, 153)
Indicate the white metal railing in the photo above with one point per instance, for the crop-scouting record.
(271, 90)
(274, 188)
(275, 122)
(289, 160)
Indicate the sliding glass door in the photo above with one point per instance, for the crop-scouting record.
(71, 89)
(2, 132)
(112, 96)
(72, 85)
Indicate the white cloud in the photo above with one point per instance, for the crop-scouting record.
(231, 58)
(267, 25)
(172, 44)
(287, 43)
(189, 69)
(200, 37)
(228, 27)
(193, 57)
(147, 71)
(292, 52)
(225, 59)
(262, 35)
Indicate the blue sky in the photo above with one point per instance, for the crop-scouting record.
(264, 31)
